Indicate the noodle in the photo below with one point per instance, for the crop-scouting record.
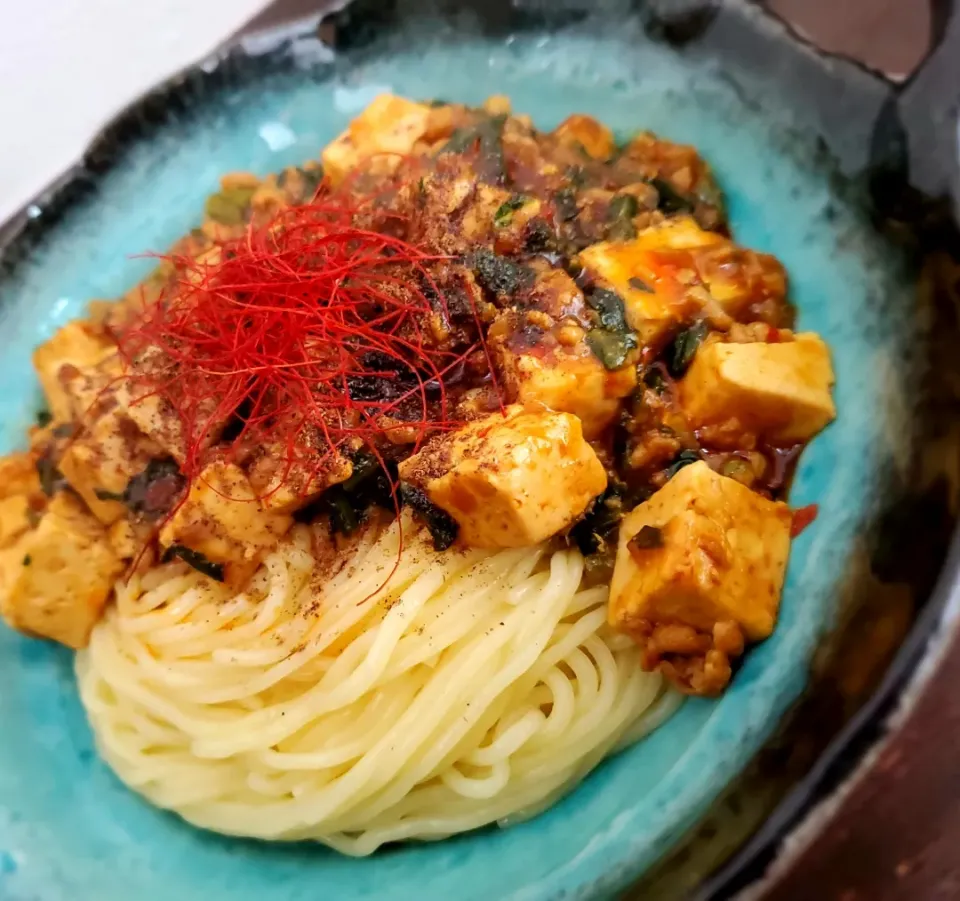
(474, 687)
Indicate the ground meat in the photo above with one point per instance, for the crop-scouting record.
(696, 662)
(653, 449)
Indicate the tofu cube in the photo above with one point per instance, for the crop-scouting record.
(76, 344)
(155, 417)
(510, 481)
(286, 485)
(21, 497)
(679, 233)
(567, 380)
(672, 271)
(780, 391)
(223, 520)
(389, 125)
(18, 475)
(595, 138)
(103, 458)
(655, 298)
(56, 580)
(92, 389)
(15, 514)
(715, 552)
(124, 541)
(734, 276)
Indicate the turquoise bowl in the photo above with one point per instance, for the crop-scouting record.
(68, 828)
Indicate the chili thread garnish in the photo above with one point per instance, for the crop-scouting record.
(279, 327)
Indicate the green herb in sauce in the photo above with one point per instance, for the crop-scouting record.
(195, 559)
(565, 201)
(599, 525)
(442, 526)
(344, 516)
(610, 348)
(623, 208)
(229, 207)
(638, 284)
(739, 470)
(654, 380)
(487, 137)
(609, 306)
(577, 176)
(104, 495)
(498, 274)
(683, 348)
(51, 479)
(684, 458)
(539, 237)
(671, 200)
(504, 214)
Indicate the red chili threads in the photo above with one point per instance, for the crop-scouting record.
(272, 337)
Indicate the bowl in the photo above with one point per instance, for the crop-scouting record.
(806, 150)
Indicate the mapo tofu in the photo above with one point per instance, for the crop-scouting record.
(521, 336)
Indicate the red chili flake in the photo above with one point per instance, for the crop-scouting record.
(802, 517)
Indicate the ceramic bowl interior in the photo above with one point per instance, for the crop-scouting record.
(69, 829)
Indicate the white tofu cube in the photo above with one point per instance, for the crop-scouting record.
(593, 136)
(56, 580)
(671, 272)
(567, 380)
(223, 520)
(656, 301)
(154, 416)
(780, 391)
(510, 481)
(703, 550)
(678, 233)
(18, 475)
(75, 344)
(14, 518)
(21, 497)
(389, 126)
(285, 485)
(103, 458)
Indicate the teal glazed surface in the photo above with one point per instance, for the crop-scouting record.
(70, 830)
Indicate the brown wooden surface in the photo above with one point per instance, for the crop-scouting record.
(889, 35)
(897, 836)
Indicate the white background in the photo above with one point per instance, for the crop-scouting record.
(67, 65)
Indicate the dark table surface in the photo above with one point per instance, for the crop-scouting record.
(896, 834)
